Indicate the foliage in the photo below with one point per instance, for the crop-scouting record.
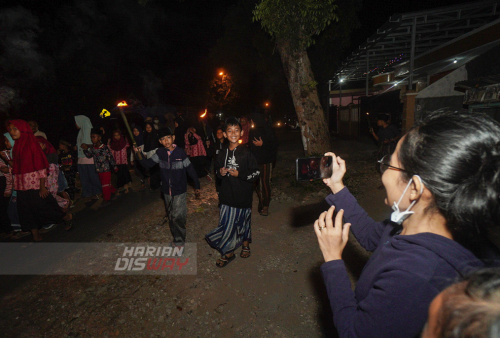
(248, 53)
(221, 92)
(295, 22)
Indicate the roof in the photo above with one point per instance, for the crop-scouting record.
(390, 45)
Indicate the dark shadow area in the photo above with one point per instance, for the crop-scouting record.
(325, 314)
(305, 215)
(89, 225)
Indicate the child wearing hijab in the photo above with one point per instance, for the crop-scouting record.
(36, 206)
(118, 146)
(104, 163)
(91, 186)
(139, 170)
(53, 172)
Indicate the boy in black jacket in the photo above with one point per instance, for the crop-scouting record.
(237, 168)
(174, 168)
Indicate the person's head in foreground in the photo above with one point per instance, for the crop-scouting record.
(166, 138)
(451, 163)
(467, 309)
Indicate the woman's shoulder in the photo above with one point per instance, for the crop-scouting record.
(429, 255)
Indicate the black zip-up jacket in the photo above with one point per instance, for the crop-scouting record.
(237, 192)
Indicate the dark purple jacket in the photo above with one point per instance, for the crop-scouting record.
(399, 281)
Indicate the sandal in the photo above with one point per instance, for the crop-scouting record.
(264, 211)
(245, 252)
(224, 260)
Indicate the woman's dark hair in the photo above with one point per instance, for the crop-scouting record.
(472, 308)
(457, 156)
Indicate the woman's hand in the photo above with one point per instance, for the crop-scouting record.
(223, 171)
(258, 142)
(84, 146)
(44, 192)
(338, 171)
(332, 238)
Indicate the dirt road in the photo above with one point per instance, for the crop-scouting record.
(277, 292)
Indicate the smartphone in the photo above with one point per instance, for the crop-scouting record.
(313, 168)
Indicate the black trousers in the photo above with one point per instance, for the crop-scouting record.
(263, 185)
(35, 212)
(123, 175)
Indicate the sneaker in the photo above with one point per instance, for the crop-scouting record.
(209, 178)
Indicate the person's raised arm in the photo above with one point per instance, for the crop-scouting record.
(366, 230)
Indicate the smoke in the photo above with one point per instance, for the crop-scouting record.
(20, 60)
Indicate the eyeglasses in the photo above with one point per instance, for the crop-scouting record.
(384, 164)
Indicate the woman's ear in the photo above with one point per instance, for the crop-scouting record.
(417, 188)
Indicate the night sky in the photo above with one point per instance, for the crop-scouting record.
(76, 57)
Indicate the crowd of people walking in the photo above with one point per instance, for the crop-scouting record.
(442, 181)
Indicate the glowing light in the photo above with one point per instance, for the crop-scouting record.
(267, 104)
(205, 113)
(341, 80)
(279, 124)
(105, 113)
(240, 141)
(122, 104)
(221, 73)
(367, 113)
(253, 126)
(455, 61)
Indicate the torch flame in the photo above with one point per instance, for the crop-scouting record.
(205, 113)
(240, 141)
(122, 104)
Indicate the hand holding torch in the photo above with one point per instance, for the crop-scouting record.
(134, 144)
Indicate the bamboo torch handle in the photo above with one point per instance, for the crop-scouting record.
(134, 144)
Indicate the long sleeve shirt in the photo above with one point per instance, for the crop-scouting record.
(399, 281)
(174, 168)
(103, 159)
(237, 191)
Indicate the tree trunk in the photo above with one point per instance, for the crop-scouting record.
(315, 136)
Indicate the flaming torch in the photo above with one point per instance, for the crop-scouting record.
(203, 115)
(134, 144)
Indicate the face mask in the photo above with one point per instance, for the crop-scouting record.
(399, 216)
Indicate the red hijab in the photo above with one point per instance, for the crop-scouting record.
(27, 154)
(118, 145)
(49, 148)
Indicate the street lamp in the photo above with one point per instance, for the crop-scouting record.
(340, 92)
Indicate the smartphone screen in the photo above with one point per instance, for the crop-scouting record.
(313, 168)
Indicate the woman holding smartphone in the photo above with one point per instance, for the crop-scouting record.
(443, 183)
